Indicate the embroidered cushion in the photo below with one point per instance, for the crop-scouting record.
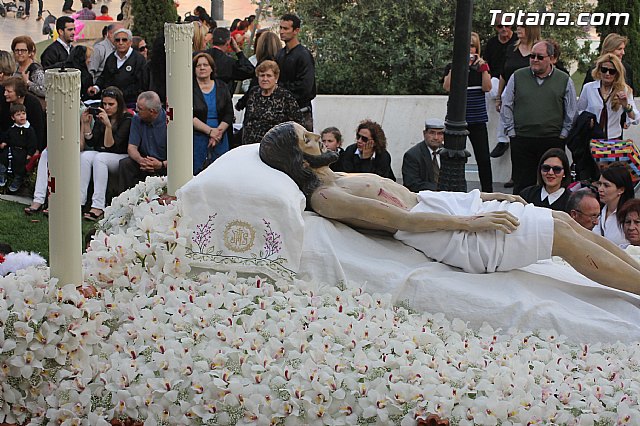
(245, 216)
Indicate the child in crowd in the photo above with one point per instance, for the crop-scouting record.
(16, 148)
(332, 140)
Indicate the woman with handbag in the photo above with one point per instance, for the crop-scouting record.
(608, 97)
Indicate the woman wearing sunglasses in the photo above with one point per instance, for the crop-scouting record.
(369, 154)
(608, 97)
(614, 44)
(553, 178)
(109, 139)
(614, 189)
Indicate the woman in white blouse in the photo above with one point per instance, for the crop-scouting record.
(608, 97)
(614, 189)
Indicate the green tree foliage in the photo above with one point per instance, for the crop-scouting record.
(632, 30)
(384, 47)
(149, 17)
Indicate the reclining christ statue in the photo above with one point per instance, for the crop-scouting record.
(477, 232)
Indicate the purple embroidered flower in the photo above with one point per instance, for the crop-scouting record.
(272, 242)
(203, 232)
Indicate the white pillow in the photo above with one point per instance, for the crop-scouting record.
(244, 216)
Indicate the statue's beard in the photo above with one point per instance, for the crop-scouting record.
(324, 159)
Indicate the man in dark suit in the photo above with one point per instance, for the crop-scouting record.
(229, 69)
(57, 52)
(421, 163)
(124, 68)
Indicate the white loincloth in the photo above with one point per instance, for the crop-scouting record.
(484, 251)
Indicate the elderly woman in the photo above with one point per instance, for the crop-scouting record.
(554, 175)
(369, 154)
(212, 113)
(614, 189)
(268, 104)
(24, 52)
(608, 97)
(629, 217)
(109, 139)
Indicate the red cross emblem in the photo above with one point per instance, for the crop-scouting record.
(51, 184)
(169, 114)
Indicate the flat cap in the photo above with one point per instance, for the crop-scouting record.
(434, 123)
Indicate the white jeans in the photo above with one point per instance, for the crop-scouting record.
(101, 163)
(42, 176)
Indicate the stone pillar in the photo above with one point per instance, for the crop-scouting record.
(217, 10)
(177, 44)
(63, 146)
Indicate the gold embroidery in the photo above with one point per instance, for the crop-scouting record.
(239, 236)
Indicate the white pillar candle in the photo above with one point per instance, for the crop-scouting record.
(177, 42)
(63, 146)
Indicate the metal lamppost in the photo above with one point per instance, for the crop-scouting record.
(217, 10)
(454, 155)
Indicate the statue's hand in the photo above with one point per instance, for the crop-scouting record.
(494, 221)
(498, 196)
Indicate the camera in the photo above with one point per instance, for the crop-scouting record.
(94, 111)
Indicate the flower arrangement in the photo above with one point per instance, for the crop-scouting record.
(161, 346)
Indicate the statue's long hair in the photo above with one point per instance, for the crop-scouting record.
(279, 149)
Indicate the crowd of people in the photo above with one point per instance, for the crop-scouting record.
(123, 122)
(123, 127)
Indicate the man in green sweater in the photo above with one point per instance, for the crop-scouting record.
(538, 106)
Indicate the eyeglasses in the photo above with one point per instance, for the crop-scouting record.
(20, 51)
(109, 93)
(547, 168)
(593, 217)
(610, 71)
(364, 138)
(142, 48)
(121, 40)
(538, 57)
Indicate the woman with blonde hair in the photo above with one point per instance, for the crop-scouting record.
(614, 44)
(609, 96)
(200, 33)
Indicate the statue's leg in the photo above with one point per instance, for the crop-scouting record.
(592, 260)
(603, 242)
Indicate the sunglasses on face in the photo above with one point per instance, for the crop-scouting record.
(610, 71)
(500, 26)
(121, 40)
(364, 138)
(547, 168)
(142, 48)
(538, 57)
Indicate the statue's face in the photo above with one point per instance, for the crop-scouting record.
(309, 143)
(316, 154)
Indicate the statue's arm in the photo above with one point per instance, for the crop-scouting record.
(499, 196)
(336, 204)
